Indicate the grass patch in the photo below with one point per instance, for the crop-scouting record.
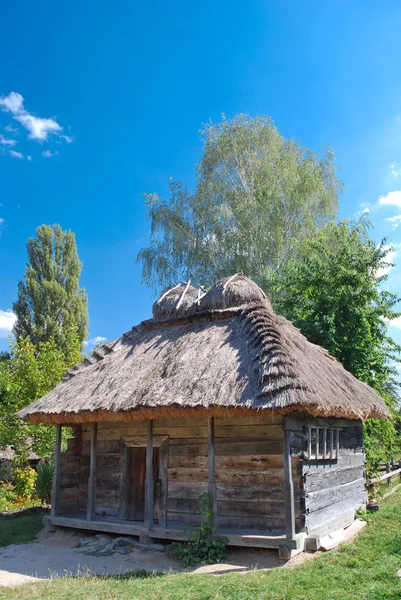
(20, 528)
(364, 570)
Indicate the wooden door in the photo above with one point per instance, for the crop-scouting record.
(136, 483)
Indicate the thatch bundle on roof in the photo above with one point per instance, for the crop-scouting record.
(223, 352)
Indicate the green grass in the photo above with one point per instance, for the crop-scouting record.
(20, 528)
(364, 570)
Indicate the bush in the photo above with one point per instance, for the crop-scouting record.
(24, 480)
(44, 480)
(203, 546)
(7, 496)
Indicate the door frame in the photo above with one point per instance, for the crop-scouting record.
(159, 441)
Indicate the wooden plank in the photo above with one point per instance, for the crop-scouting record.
(299, 424)
(347, 460)
(323, 516)
(163, 476)
(123, 492)
(323, 479)
(325, 497)
(149, 490)
(260, 432)
(177, 489)
(251, 509)
(56, 474)
(211, 471)
(388, 475)
(187, 448)
(257, 419)
(188, 474)
(288, 489)
(270, 476)
(92, 476)
(250, 523)
(68, 495)
(250, 493)
(255, 540)
(246, 447)
(164, 425)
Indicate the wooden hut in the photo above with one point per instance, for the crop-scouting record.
(214, 393)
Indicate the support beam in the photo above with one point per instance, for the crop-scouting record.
(212, 470)
(288, 489)
(149, 489)
(56, 474)
(91, 508)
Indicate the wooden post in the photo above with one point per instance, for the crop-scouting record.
(212, 471)
(149, 489)
(91, 508)
(56, 475)
(288, 488)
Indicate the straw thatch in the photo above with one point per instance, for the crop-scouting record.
(8, 454)
(228, 352)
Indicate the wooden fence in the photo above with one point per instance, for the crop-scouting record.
(392, 474)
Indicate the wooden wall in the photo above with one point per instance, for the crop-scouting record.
(70, 474)
(249, 470)
(332, 490)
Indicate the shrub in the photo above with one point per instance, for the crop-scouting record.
(203, 546)
(24, 480)
(44, 480)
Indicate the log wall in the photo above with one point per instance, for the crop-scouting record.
(332, 490)
(249, 470)
(70, 461)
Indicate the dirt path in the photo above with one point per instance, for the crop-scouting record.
(57, 555)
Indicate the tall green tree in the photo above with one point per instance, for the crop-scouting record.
(333, 292)
(257, 196)
(50, 304)
(28, 373)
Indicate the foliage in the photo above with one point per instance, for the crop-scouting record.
(365, 569)
(333, 293)
(24, 481)
(21, 528)
(44, 480)
(257, 196)
(50, 304)
(203, 546)
(31, 372)
(7, 495)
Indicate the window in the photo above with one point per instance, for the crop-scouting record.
(323, 443)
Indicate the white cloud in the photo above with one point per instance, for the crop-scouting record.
(47, 153)
(15, 154)
(395, 221)
(10, 129)
(392, 198)
(390, 259)
(396, 323)
(92, 342)
(38, 127)
(12, 103)
(7, 141)
(394, 171)
(1, 220)
(29, 157)
(7, 320)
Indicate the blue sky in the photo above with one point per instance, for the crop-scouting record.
(103, 101)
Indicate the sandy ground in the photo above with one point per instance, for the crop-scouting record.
(56, 554)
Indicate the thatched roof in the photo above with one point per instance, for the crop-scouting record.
(220, 352)
(8, 454)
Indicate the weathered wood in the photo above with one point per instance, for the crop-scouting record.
(346, 460)
(163, 477)
(259, 419)
(250, 493)
(326, 497)
(299, 423)
(256, 539)
(323, 479)
(251, 509)
(56, 474)
(288, 489)
(68, 494)
(212, 471)
(149, 490)
(177, 489)
(244, 447)
(323, 516)
(123, 491)
(260, 432)
(188, 475)
(270, 476)
(91, 509)
(388, 475)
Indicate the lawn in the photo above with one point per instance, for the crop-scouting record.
(364, 570)
(21, 527)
